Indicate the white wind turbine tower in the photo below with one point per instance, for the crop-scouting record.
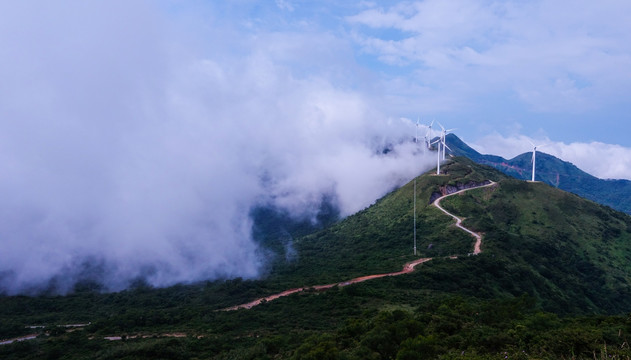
(438, 158)
(415, 143)
(428, 135)
(534, 151)
(417, 126)
(442, 139)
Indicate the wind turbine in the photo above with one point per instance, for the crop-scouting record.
(418, 124)
(415, 216)
(428, 135)
(442, 139)
(416, 144)
(534, 151)
(438, 158)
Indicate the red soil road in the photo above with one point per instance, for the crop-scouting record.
(478, 243)
(407, 268)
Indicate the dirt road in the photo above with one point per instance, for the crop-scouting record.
(407, 268)
(477, 248)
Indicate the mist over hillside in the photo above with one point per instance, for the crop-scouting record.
(137, 137)
(252, 179)
(135, 153)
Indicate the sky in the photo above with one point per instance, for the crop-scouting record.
(136, 136)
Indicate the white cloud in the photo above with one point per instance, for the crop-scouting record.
(553, 59)
(137, 145)
(284, 5)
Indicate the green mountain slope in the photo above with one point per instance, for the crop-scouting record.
(555, 172)
(380, 238)
(571, 254)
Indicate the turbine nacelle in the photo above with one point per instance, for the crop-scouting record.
(428, 135)
(442, 138)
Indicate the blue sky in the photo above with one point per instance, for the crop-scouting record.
(478, 65)
(153, 127)
(496, 70)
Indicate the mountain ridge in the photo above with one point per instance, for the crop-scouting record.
(615, 193)
(586, 245)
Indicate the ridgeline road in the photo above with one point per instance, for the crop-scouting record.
(407, 268)
(477, 248)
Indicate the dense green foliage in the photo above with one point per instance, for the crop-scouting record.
(572, 254)
(553, 282)
(332, 326)
(555, 172)
(455, 328)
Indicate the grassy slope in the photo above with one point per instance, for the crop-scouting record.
(380, 238)
(573, 254)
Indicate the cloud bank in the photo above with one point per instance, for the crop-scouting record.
(134, 145)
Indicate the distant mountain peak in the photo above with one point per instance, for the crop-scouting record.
(553, 171)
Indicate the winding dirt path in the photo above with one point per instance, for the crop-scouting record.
(407, 268)
(477, 248)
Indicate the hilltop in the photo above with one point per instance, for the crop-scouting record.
(379, 238)
(555, 172)
(572, 254)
